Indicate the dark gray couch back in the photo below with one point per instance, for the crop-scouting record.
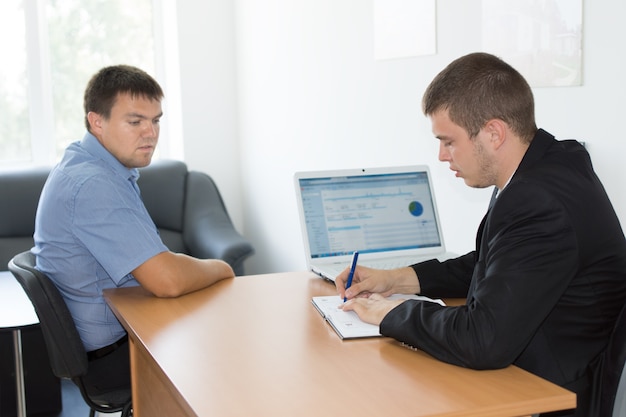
(185, 205)
(20, 195)
(162, 187)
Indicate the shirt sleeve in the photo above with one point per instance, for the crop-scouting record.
(447, 279)
(111, 221)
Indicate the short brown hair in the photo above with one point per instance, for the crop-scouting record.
(106, 84)
(479, 87)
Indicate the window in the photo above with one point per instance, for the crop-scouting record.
(55, 47)
(14, 122)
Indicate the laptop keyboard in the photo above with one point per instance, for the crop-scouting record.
(393, 263)
(388, 263)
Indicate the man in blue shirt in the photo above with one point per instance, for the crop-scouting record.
(92, 230)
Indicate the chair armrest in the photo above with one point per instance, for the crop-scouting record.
(208, 230)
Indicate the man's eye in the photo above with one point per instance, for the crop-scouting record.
(134, 122)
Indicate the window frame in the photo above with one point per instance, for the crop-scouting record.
(38, 73)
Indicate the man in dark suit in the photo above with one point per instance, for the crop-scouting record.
(548, 276)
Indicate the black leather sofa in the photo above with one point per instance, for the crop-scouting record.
(186, 206)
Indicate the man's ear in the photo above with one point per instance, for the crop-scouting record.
(497, 130)
(95, 122)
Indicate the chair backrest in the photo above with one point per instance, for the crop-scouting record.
(612, 399)
(68, 358)
(20, 192)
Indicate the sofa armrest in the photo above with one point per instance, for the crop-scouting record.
(209, 231)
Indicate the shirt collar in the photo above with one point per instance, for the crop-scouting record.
(92, 145)
(507, 183)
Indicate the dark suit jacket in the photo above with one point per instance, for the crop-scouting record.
(545, 283)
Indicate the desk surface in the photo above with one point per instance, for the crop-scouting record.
(255, 345)
(17, 310)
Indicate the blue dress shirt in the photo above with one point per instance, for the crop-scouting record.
(91, 230)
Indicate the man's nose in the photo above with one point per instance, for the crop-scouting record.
(444, 155)
(152, 129)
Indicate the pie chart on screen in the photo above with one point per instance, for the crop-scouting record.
(415, 208)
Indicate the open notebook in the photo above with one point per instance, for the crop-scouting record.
(388, 214)
(347, 324)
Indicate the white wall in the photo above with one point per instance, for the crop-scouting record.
(209, 96)
(292, 85)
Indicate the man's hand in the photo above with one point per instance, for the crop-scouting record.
(372, 309)
(367, 281)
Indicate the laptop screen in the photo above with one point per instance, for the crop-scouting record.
(381, 212)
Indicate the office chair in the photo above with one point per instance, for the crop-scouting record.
(613, 394)
(68, 357)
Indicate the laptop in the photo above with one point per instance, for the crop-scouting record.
(388, 215)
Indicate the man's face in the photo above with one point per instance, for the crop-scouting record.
(132, 131)
(469, 158)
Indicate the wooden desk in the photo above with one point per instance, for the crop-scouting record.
(255, 345)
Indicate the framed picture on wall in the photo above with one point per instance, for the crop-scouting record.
(542, 40)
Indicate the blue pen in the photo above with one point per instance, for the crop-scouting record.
(355, 256)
